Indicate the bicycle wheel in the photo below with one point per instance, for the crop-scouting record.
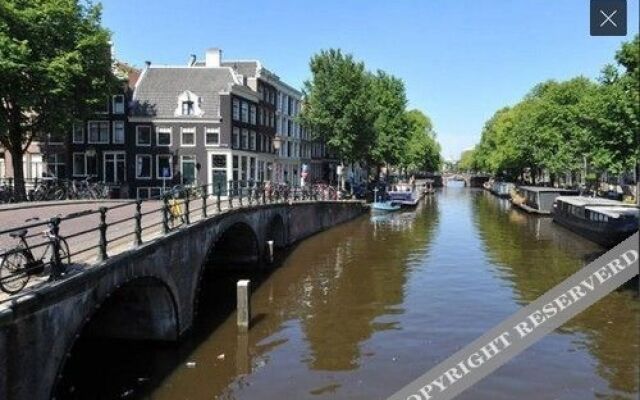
(13, 272)
(65, 254)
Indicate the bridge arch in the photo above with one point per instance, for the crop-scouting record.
(143, 308)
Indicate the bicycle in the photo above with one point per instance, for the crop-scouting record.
(20, 264)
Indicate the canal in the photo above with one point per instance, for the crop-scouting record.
(358, 311)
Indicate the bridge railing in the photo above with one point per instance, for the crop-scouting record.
(90, 235)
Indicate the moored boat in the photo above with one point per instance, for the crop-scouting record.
(502, 189)
(404, 194)
(606, 222)
(540, 200)
(385, 206)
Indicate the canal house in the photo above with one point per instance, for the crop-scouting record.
(606, 222)
(540, 200)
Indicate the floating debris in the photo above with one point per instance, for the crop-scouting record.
(191, 364)
(220, 356)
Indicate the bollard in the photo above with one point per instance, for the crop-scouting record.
(102, 255)
(138, 218)
(204, 202)
(270, 249)
(244, 305)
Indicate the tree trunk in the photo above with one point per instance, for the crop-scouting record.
(18, 172)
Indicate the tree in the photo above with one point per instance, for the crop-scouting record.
(55, 66)
(390, 125)
(422, 152)
(338, 107)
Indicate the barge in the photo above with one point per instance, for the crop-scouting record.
(502, 189)
(606, 222)
(540, 200)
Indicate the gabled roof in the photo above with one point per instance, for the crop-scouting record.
(246, 68)
(156, 94)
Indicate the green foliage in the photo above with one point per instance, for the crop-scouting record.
(362, 116)
(422, 151)
(55, 65)
(559, 123)
(338, 106)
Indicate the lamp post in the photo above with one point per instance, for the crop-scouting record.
(277, 144)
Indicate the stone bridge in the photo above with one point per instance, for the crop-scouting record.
(148, 292)
(468, 179)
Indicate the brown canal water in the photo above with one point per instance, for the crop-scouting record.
(360, 310)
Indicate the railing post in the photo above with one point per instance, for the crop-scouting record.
(240, 195)
(230, 195)
(165, 214)
(250, 194)
(218, 197)
(204, 202)
(264, 193)
(102, 255)
(186, 208)
(57, 268)
(138, 217)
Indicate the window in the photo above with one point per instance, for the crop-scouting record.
(236, 110)
(55, 165)
(187, 108)
(118, 132)
(79, 167)
(143, 135)
(244, 110)
(98, 131)
(252, 115)
(235, 139)
(188, 169)
(84, 164)
(143, 166)
(164, 167)
(218, 172)
(188, 137)
(115, 167)
(118, 104)
(245, 139)
(253, 140)
(78, 132)
(212, 136)
(252, 168)
(163, 137)
(235, 168)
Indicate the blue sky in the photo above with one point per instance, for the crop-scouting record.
(460, 60)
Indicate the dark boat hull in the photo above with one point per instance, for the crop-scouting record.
(604, 234)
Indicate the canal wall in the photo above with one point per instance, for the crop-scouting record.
(147, 293)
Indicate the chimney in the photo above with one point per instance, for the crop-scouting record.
(147, 64)
(213, 58)
(192, 60)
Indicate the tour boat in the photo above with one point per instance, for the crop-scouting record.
(404, 194)
(540, 200)
(606, 222)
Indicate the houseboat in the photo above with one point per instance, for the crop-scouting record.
(606, 222)
(502, 189)
(540, 200)
(404, 194)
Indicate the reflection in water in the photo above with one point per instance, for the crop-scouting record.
(539, 257)
(360, 310)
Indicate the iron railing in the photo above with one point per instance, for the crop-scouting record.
(93, 234)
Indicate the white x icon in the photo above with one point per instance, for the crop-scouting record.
(607, 18)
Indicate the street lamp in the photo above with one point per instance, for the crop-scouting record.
(277, 144)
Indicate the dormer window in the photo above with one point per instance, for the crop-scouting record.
(187, 108)
(189, 105)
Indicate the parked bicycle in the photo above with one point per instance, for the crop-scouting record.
(19, 264)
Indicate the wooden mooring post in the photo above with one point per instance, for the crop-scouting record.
(244, 304)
